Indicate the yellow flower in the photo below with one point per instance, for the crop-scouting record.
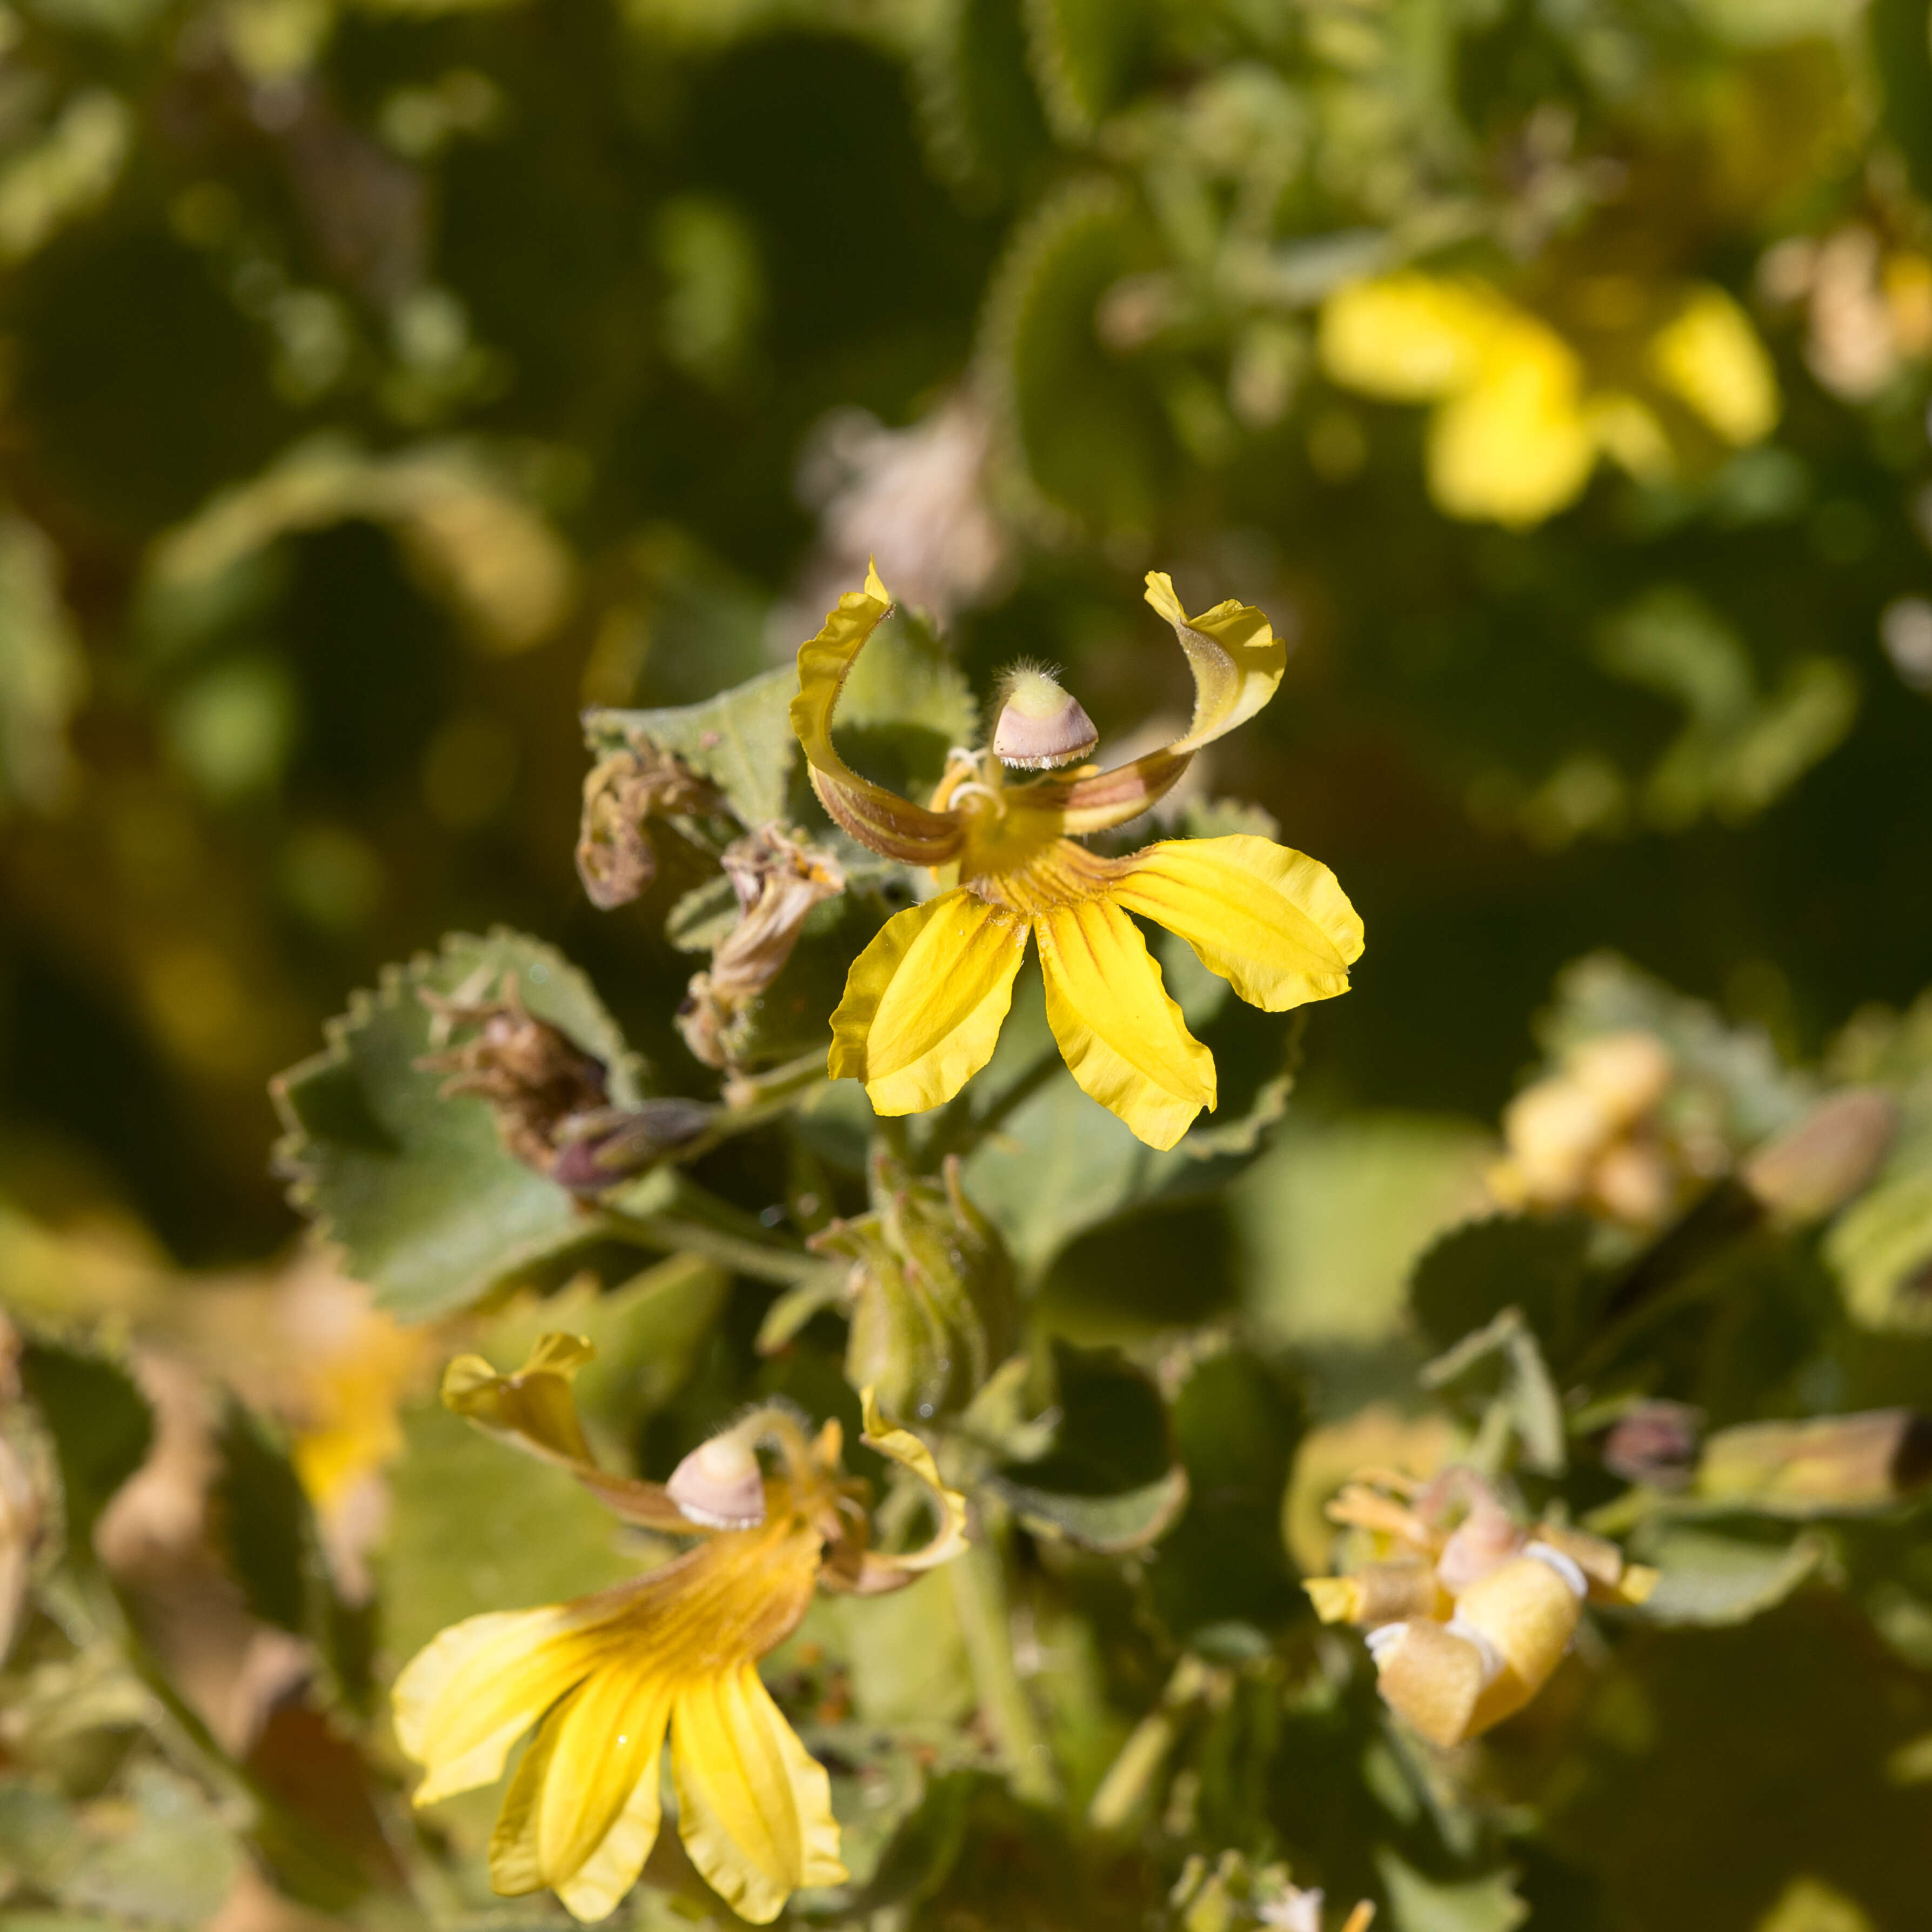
(1519, 423)
(606, 1680)
(924, 1001)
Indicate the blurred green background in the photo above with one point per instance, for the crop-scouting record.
(382, 383)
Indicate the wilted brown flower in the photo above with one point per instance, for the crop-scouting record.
(779, 879)
(615, 857)
(550, 1098)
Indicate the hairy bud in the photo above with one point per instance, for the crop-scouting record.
(1040, 726)
(1812, 1169)
(719, 1484)
(931, 1291)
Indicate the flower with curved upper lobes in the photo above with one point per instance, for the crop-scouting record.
(924, 1001)
(605, 1681)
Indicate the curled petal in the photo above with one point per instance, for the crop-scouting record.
(873, 815)
(1124, 1040)
(1273, 923)
(881, 1572)
(535, 1409)
(924, 1001)
(1236, 660)
(754, 1808)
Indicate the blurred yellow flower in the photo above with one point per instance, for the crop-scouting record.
(1520, 421)
(924, 1001)
(604, 1680)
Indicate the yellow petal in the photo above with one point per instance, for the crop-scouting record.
(881, 1571)
(1273, 923)
(755, 1809)
(466, 1698)
(615, 1866)
(1518, 445)
(1408, 338)
(1123, 1037)
(924, 1003)
(1236, 660)
(1711, 356)
(874, 816)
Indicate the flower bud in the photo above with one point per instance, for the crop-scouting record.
(719, 1484)
(1040, 726)
(1484, 1540)
(1626, 1073)
(1831, 1465)
(931, 1291)
(1555, 1130)
(1811, 1170)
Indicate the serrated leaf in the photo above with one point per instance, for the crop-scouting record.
(1091, 438)
(982, 121)
(1082, 52)
(1420, 1904)
(101, 1425)
(741, 740)
(1111, 1525)
(429, 1206)
(1707, 1578)
(905, 706)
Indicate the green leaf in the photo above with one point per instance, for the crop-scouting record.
(171, 1862)
(1110, 1483)
(474, 1526)
(1469, 1276)
(1330, 1222)
(1092, 440)
(42, 673)
(1708, 1578)
(1881, 1247)
(905, 706)
(741, 740)
(101, 1425)
(261, 1516)
(1534, 1408)
(429, 1206)
(1420, 1904)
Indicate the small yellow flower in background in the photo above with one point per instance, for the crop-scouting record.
(1467, 1613)
(605, 1681)
(1520, 421)
(924, 1001)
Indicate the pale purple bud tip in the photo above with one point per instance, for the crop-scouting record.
(718, 1484)
(1040, 726)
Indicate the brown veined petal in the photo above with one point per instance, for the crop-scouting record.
(874, 816)
(754, 1808)
(1237, 662)
(1123, 1038)
(924, 1001)
(535, 1409)
(1273, 923)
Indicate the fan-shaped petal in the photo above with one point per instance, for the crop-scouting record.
(1124, 1040)
(1273, 923)
(924, 1001)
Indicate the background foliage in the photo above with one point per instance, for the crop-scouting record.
(385, 383)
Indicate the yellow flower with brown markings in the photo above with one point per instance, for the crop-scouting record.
(605, 1681)
(924, 1001)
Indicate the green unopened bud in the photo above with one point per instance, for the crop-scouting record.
(1831, 1465)
(1039, 726)
(930, 1292)
(1813, 1168)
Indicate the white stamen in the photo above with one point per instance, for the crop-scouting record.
(1493, 1658)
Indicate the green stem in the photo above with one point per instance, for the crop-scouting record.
(979, 1597)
